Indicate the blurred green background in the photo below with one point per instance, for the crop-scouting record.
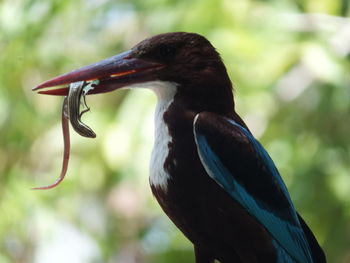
(289, 61)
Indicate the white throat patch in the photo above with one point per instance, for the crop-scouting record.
(165, 92)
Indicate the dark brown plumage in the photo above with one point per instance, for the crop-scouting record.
(196, 121)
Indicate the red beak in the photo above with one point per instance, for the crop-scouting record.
(113, 73)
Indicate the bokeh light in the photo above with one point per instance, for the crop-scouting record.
(288, 60)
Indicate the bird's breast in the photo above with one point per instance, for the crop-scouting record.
(159, 176)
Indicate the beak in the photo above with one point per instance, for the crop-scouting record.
(113, 73)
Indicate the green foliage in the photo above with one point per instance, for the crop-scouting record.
(289, 61)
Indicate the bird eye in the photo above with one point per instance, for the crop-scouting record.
(166, 51)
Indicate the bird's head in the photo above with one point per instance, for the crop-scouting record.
(186, 59)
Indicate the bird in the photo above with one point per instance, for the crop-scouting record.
(209, 174)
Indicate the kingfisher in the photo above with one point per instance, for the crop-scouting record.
(211, 177)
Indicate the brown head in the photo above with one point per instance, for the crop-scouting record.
(186, 59)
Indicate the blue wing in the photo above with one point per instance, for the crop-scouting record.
(240, 165)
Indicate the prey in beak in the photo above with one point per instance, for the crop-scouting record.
(107, 75)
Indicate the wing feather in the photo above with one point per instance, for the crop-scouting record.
(242, 167)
